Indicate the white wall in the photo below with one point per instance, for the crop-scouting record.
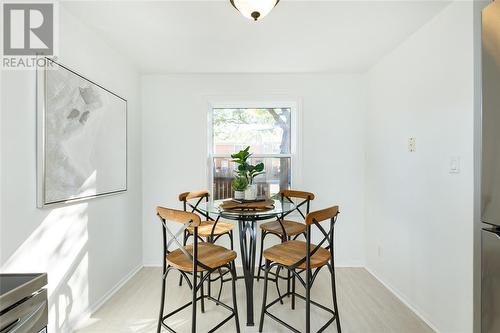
(175, 126)
(419, 217)
(89, 247)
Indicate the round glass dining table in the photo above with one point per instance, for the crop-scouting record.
(247, 225)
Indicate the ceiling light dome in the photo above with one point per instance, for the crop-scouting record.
(254, 9)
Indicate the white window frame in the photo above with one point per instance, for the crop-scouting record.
(295, 134)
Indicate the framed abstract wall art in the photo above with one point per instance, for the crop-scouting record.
(81, 139)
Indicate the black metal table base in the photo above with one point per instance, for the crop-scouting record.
(248, 244)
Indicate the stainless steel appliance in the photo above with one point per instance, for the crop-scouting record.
(490, 281)
(23, 303)
(490, 196)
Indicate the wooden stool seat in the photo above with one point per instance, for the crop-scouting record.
(292, 228)
(209, 254)
(288, 253)
(205, 228)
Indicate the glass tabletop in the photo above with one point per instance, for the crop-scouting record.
(279, 207)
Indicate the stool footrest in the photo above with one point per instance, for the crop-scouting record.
(216, 301)
(279, 299)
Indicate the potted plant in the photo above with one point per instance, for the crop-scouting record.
(248, 171)
(239, 185)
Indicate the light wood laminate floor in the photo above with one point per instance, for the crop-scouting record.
(365, 306)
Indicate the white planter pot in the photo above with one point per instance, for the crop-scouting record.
(251, 192)
(239, 195)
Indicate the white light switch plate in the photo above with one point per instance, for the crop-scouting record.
(455, 164)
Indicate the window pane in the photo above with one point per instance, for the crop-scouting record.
(267, 131)
(276, 178)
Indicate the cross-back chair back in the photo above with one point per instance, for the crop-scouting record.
(299, 199)
(192, 200)
(209, 229)
(284, 228)
(187, 219)
(315, 219)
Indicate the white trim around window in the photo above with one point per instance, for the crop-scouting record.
(296, 132)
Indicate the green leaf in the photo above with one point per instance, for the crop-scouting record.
(239, 183)
(258, 173)
(259, 167)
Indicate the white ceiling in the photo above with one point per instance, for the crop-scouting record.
(211, 37)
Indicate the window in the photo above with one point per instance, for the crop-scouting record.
(268, 131)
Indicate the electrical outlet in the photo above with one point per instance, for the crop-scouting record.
(379, 251)
(412, 145)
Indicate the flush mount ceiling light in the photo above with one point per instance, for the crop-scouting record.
(254, 9)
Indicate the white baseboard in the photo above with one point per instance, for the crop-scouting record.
(93, 308)
(349, 266)
(153, 264)
(403, 300)
(97, 305)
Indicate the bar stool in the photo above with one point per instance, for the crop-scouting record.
(286, 229)
(297, 257)
(199, 258)
(209, 228)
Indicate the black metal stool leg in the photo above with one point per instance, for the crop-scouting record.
(276, 281)
(221, 284)
(235, 306)
(334, 295)
(195, 283)
(184, 241)
(293, 291)
(231, 239)
(288, 277)
(209, 291)
(160, 319)
(308, 300)
(264, 298)
(262, 236)
(202, 293)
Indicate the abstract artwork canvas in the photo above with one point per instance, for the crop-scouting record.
(82, 137)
